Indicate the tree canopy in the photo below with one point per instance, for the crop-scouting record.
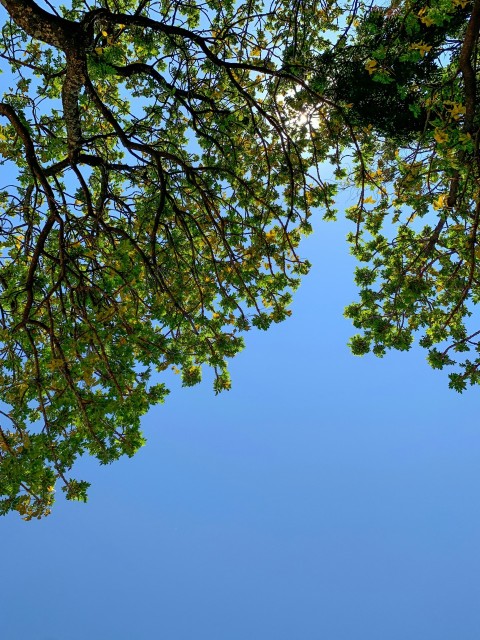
(161, 161)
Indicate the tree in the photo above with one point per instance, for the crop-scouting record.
(417, 218)
(155, 202)
(400, 113)
(411, 54)
(163, 158)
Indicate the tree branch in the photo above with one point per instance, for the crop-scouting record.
(39, 24)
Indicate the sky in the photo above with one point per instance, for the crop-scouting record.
(325, 497)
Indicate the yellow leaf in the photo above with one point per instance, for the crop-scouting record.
(425, 19)
(98, 51)
(421, 47)
(440, 202)
(371, 66)
(369, 200)
(457, 110)
(440, 136)
(55, 364)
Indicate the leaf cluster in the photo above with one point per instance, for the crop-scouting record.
(157, 200)
(387, 68)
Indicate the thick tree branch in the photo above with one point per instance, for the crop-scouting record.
(39, 24)
(76, 74)
(466, 67)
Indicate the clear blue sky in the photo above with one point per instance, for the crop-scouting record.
(325, 497)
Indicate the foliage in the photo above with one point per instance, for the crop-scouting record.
(417, 218)
(161, 161)
(400, 115)
(388, 68)
(156, 196)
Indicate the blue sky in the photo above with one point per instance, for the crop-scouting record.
(325, 497)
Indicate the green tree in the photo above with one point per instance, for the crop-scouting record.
(399, 111)
(155, 198)
(418, 173)
(388, 67)
(161, 158)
